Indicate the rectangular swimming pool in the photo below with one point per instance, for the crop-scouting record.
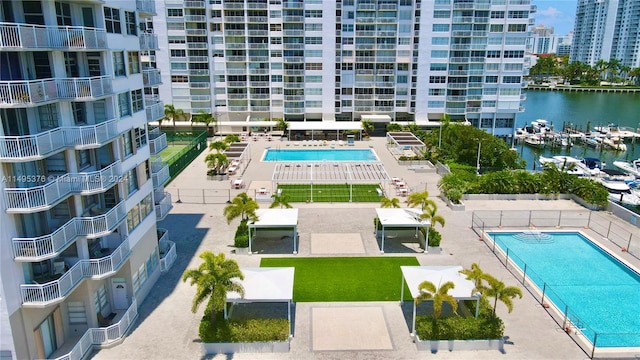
(320, 155)
(601, 293)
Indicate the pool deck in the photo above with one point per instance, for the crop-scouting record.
(166, 329)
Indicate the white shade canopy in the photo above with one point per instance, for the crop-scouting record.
(275, 218)
(265, 285)
(439, 275)
(405, 217)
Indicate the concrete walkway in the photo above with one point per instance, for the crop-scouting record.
(166, 329)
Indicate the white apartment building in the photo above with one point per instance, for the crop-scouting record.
(81, 186)
(608, 29)
(325, 65)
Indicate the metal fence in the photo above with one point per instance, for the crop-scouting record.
(182, 159)
(557, 308)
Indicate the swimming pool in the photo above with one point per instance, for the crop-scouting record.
(600, 291)
(320, 155)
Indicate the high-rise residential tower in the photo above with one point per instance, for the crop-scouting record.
(605, 30)
(81, 185)
(325, 65)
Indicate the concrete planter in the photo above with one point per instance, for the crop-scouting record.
(434, 250)
(452, 206)
(254, 347)
(462, 345)
(218, 177)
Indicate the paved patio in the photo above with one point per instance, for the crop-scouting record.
(166, 329)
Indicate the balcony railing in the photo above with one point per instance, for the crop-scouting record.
(38, 198)
(158, 144)
(87, 88)
(50, 245)
(24, 36)
(53, 291)
(146, 6)
(163, 206)
(32, 92)
(102, 336)
(33, 147)
(148, 42)
(155, 111)
(151, 77)
(159, 173)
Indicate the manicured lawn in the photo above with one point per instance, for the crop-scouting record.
(330, 192)
(170, 151)
(345, 278)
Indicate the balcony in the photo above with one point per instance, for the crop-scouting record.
(456, 85)
(28, 37)
(260, 108)
(194, 85)
(195, 18)
(148, 41)
(199, 72)
(84, 89)
(236, 83)
(155, 111)
(163, 205)
(258, 19)
(41, 295)
(237, 96)
(103, 335)
(158, 143)
(198, 59)
(146, 7)
(196, 45)
(238, 108)
(194, 4)
(293, 19)
(43, 197)
(294, 85)
(39, 146)
(159, 173)
(151, 77)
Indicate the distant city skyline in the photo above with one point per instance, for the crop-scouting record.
(559, 14)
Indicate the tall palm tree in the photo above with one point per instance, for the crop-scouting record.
(205, 118)
(218, 146)
(282, 125)
(475, 274)
(241, 206)
(280, 200)
(634, 74)
(171, 113)
(430, 212)
(613, 67)
(216, 161)
(213, 279)
(385, 202)
(420, 199)
(231, 138)
(367, 126)
(499, 291)
(439, 296)
(600, 66)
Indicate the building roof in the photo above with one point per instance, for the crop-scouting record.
(265, 285)
(401, 217)
(275, 218)
(438, 275)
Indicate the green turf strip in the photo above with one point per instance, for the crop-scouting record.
(325, 279)
(330, 192)
(169, 151)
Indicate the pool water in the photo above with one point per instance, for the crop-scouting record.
(600, 291)
(320, 155)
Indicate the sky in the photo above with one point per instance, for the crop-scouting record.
(559, 14)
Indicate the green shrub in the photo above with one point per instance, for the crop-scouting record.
(241, 239)
(434, 237)
(485, 326)
(250, 330)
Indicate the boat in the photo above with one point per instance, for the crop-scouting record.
(614, 143)
(607, 130)
(563, 164)
(594, 164)
(593, 141)
(561, 140)
(632, 168)
(620, 192)
(534, 140)
(541, 126)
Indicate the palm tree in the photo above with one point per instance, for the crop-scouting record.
(231, 138)
(439, 296)
(282, 125)
(218, 146)
(203, 117)
(430, 212)
(391, 127)
(624, 72)
(634, 74)
(367, 126)
(385, 202)
(613, 67)
(600, 66)
(241, 206)
(281, 201)
(214, 278)
(499, 291)
(475, 274)
(171, 113)
(216, 161)
(420, 198)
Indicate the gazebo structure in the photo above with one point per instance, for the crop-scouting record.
(405, 141)
(276, 219)
(437, 275)
(265, 285)
(402, 218)
(327, 172)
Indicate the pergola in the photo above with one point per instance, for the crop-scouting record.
(437, 275)
(265, 285)
(402, 218)
(327, 172)
(323, 126)
(403, 140)
(275, 219)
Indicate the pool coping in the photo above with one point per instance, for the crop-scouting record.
(570, 329)
(296, 148)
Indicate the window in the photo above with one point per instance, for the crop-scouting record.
(347, 103)
(511, 79)
(489, 103)
(313, 66)
(178, 53)
(131, 180)
(440, 27)
(436, 92)
(402, 79)
(520, 14)
(347, 27)
(118, 64)
(276, 53)
(63, 14)
(314, 91)
(177, 40)
(313, 40)
(317, 14)
(178, 66)
(112, 20)
(491, 79)
(404, 41)
(347, 91)
(179, 79)
(437, 79)
(517, 28)
(435, 104)
(496, 28)
(128, 145)
(215, 13)
(140, 135)
(134, 62)
(347, 66)
(130, 23)
(313, 27)
(136, 100)
(276, 78)
(510, 92)
(512, 67)
(513, 54)
(401, 103)
(314, 53)
(520, 40)
(497, 14)
(314, 104)
(177, 12)
(439, 54)
(493, 54)
(347, 41)
(492, 66)
(275, 14)
(84, 159)
(439, 41)
(313, 79)
(441, 14)
(175, 26)
(124, 105)
(438, 67)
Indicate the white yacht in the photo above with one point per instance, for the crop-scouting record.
(580, 167)
(621, 193)
(632, 168)
(534, 140)
(560, 163)
(614, 143)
